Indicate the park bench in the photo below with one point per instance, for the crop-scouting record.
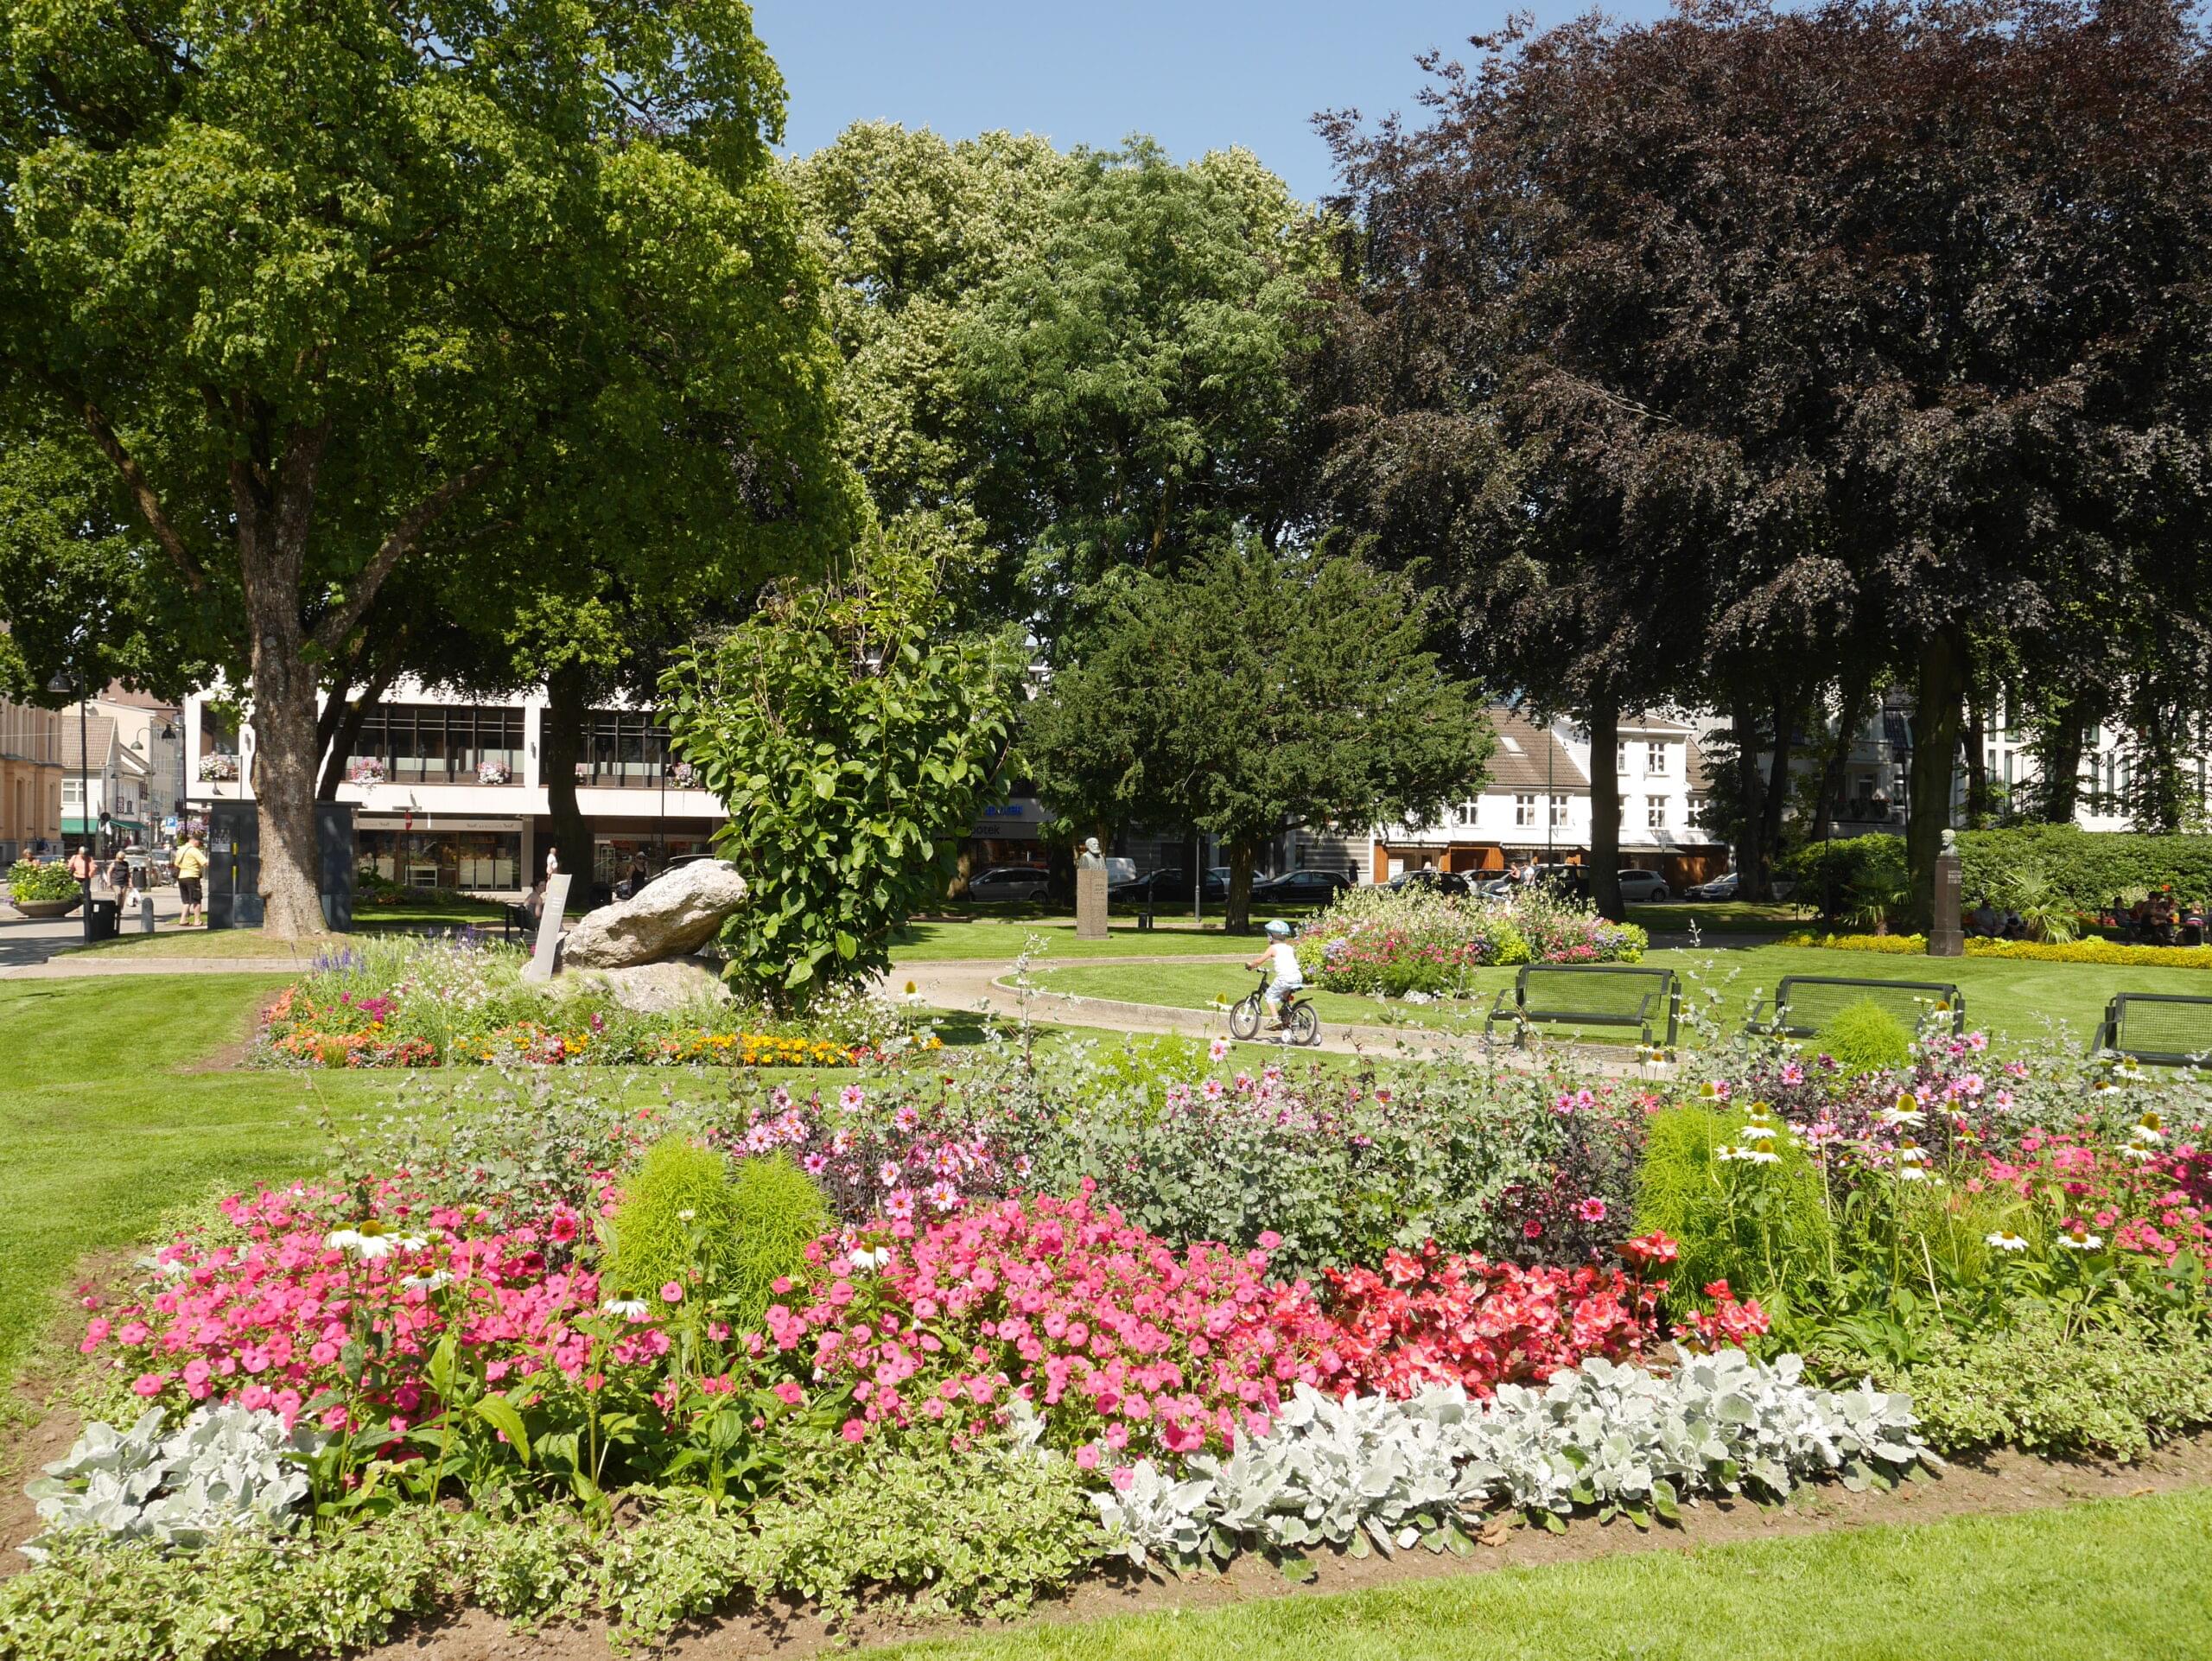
(2165, 1029)
(1592, 995)
(1804, 1005)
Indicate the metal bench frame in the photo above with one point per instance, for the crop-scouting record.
(2110, 1031)
(1946, 997)
(1664, 999)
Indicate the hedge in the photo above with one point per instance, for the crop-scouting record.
(2085, 868)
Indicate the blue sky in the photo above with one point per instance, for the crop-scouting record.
(1198, 75)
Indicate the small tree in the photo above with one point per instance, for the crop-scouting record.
(1255, 691)
(854, 738)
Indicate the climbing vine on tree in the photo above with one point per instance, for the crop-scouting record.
(854, 735)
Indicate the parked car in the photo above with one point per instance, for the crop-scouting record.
(1721, 888)
(1428, 878)
(1301, 888)
(1022, 882)
(1641, 887)
(1168, 884)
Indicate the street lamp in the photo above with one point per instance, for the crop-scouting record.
(65, 682)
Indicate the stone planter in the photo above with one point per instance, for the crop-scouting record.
(39, 910)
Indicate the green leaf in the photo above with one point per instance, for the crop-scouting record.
(499, 1413)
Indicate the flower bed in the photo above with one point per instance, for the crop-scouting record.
(1110, 1304)
(1373, 940)
(30, 883)
(462, 1000)
(2092, 951)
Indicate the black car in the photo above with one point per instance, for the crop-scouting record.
(1430, 880)
(1300, 888)
(1163, 886)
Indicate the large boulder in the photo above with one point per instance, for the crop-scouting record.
(652, 988)
(673, 916)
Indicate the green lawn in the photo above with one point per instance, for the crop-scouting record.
(101, 1131)
(2007, 999)
(173, 942)
(1722, 917)
(2124, 1580)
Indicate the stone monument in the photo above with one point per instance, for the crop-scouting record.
(1946, 939)
(1091, 892)
(542, 960)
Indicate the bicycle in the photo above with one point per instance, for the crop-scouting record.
(1301, 1024)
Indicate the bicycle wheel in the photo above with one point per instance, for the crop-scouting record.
(1244, 1016)
(1305, 1025)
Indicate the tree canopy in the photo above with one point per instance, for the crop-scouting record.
(331, 292)
(1252, 692)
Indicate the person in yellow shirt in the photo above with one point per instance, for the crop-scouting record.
(191, 870)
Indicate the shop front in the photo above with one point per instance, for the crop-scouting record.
(440, 851)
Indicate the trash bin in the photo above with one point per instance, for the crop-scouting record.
(100, 919)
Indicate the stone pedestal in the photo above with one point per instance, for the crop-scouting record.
(1945, 937)
(1091, 902)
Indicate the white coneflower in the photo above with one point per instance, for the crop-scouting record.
(2149, 1128)
(1911, 1163)
(342, 1239)
(2005, 1240)
(625, 1309)
(1892, 1117)
(2081, 1239)
(428, 1283)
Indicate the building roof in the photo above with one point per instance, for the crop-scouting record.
(1529, 757)
(98, 733)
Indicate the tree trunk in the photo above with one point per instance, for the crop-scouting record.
(561, 738)
(1778, 789)
(1853, 693)
(1606, 809)
(1977, 765)
(2061, 794)
(1939, 684)
(1751, 791)
(286, 750)
(1242, 853)
(339, 735)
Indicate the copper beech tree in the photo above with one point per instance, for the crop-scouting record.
(1748, 353)
(366, 295)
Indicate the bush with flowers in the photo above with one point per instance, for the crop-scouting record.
(1373, 939)
(460, 999)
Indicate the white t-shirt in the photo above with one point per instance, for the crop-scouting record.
(1286, 963)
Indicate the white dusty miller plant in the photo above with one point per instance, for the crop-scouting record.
(226, 1468)
(1619, 1439)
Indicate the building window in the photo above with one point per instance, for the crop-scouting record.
(1654, 760)
(435, 744)
(1464, 815)
(1620, 756)
(73, 792)
(623, 749)
(1654, 812)
(1559, 812)
(1524, 809)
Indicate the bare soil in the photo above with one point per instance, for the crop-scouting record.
(1998, 1483)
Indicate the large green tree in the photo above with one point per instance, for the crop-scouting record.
(1255, 690)
(338, 294)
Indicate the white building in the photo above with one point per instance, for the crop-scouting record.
(450, 792)
(1535, 805)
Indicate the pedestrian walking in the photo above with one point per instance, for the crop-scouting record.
(191, 872)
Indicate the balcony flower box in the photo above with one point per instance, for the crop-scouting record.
(495, 772)
(366, 770)
(218, 769)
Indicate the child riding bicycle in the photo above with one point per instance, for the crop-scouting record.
(1286, 977)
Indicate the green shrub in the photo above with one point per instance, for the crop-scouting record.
(2116, 1389)
(776, 1210)
(654, 1241)
(1762, 1226)
(973, 1531)
(1864, 1037)
(29, 881)
(2082, 868)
